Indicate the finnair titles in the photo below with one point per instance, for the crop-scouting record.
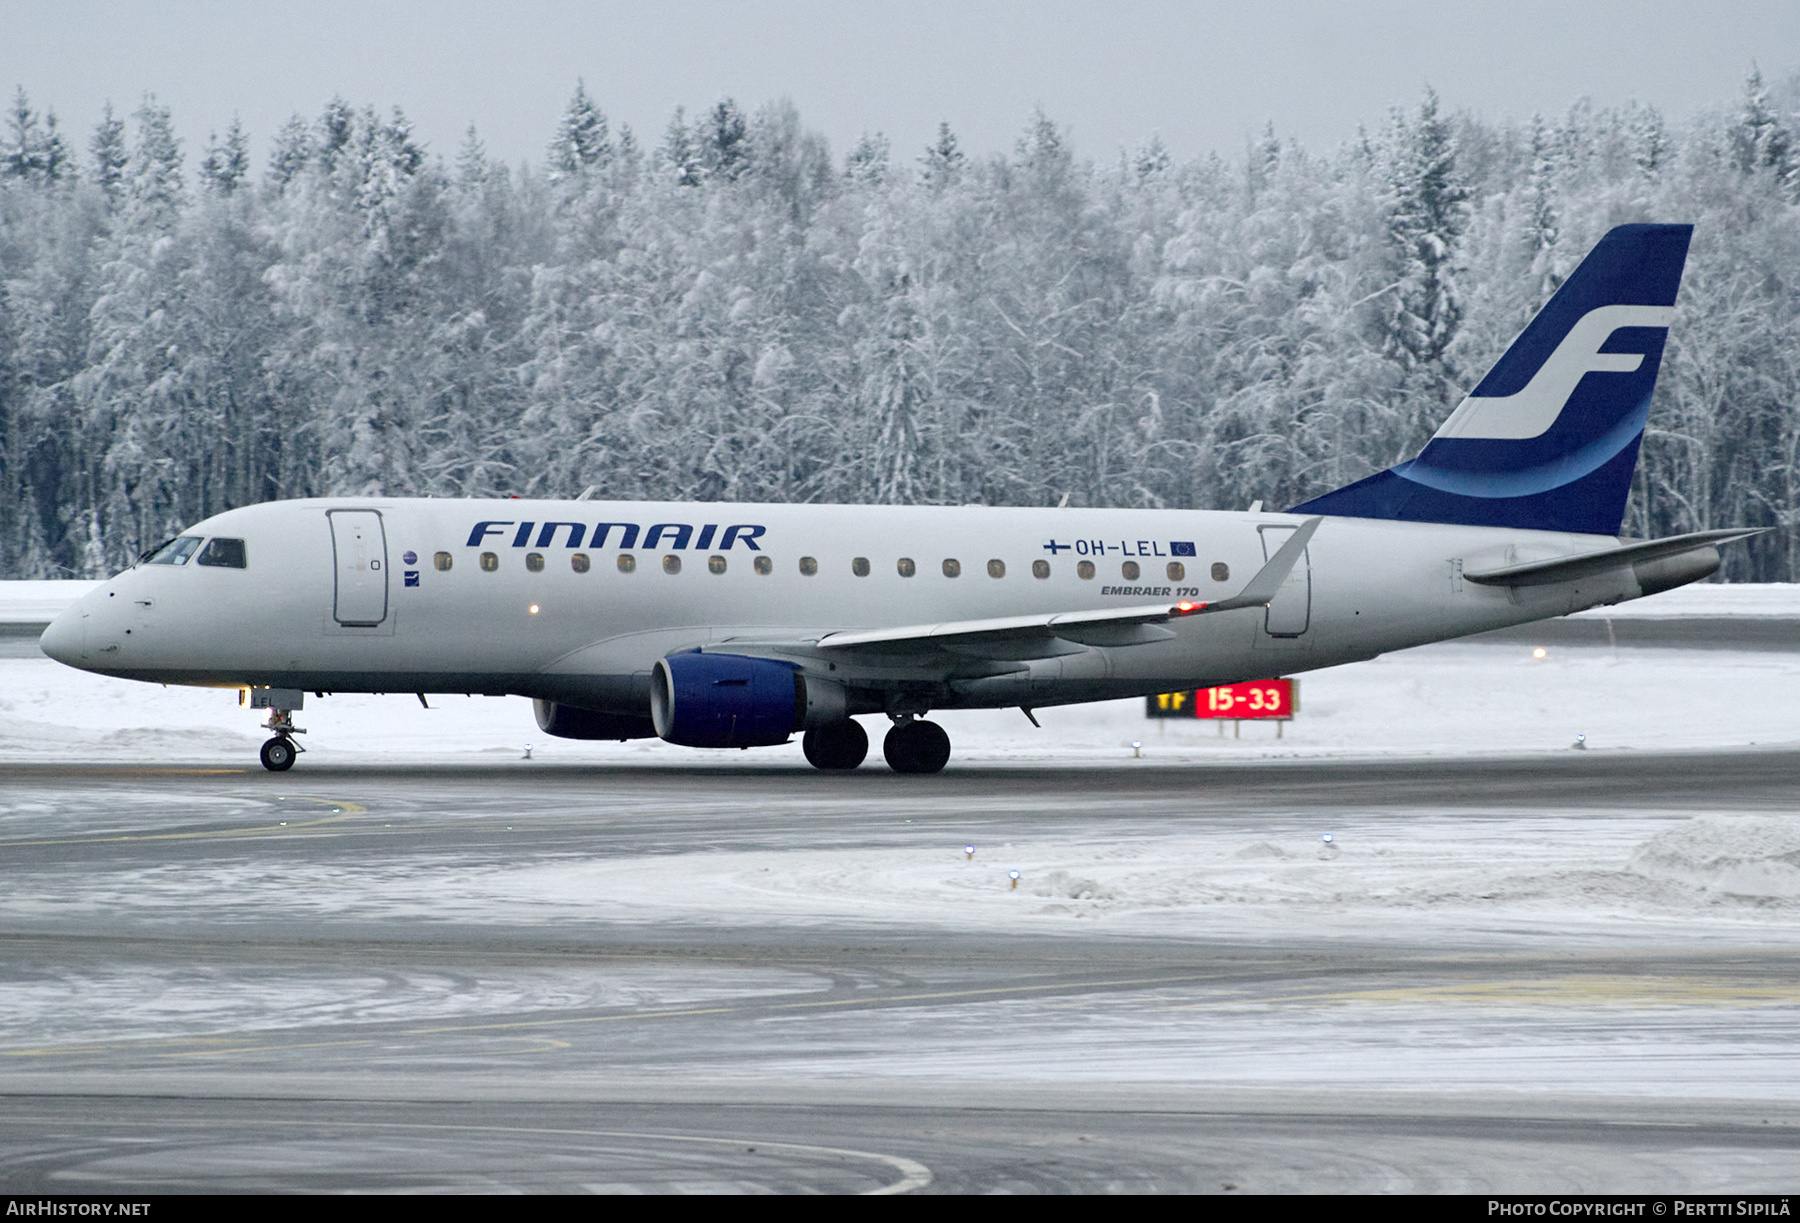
(738, 626)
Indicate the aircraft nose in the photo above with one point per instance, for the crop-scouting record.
(66, 638)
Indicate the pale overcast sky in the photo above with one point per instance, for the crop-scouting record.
(1204, 76)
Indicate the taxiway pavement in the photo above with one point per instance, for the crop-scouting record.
(1524, 974)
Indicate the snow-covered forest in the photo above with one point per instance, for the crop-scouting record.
(728, 310)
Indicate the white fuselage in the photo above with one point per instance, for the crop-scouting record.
(299, 614)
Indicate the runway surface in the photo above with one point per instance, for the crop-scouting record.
(1499, 975)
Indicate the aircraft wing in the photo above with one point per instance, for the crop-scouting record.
(1042, 635)
(1119, 625)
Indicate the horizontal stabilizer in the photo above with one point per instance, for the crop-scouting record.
(1586, 564)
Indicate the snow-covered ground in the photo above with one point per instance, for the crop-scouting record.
(1503, 882)
(38, 602)
(1434, 700)
(1709, 599)
(1440, 699)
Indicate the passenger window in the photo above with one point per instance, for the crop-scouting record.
(1221, 572)
(1040, 569)
(443, 561)
(860, 566)
(222, 554)
(808, 566)
(952, 569)
(996, 569)
(534, 561)
(671, 563)
(715, 564)
(1177, 571)
(764, 566)
(176, 551)
(579, 562)
(906, 567)
(627, 562)
(1129, 571)
(1084, 570)
(489, 562)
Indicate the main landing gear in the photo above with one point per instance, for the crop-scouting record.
(915, 746)
(912, 746)
(841, 745)
(278, 754)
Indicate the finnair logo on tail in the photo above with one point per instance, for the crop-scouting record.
(1530, 411)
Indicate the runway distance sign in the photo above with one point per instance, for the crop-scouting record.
(1262, 698)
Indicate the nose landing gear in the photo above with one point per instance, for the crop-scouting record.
(279, 753)
(916, 746)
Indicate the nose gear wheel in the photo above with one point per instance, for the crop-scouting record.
(278, 754)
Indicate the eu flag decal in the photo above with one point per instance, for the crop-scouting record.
(1181, 547)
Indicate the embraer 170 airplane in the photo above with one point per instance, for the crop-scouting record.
(721, 625)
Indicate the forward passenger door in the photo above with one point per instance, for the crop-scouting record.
(359, 547)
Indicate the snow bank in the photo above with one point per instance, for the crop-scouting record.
(1730, 858)
(1453, 878)
(38, 602)
(1707, 599)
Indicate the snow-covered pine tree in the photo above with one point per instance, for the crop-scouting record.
(107, 146)
(867, 163)
(1760, 141)
(1541, 227)
(290, 152)
(153, 173)
(33, 151)
(942, 162)
(581, 143)
(724, 141)
(1427, 212)
(680, 151)
(471, 161)
(336, 128)
(227, 163)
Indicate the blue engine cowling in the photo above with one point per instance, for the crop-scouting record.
(726, 700)
(574, 722)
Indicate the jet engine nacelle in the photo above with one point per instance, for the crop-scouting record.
(728, 700)
(573, 722)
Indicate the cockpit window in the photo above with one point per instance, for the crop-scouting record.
(224, 553)
(176, 551)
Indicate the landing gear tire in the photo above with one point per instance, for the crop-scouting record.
(916, 747)
(842, 745)
(278, 754)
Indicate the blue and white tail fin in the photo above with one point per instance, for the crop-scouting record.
(1548, 440)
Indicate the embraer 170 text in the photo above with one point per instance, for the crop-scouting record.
(720, 625)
